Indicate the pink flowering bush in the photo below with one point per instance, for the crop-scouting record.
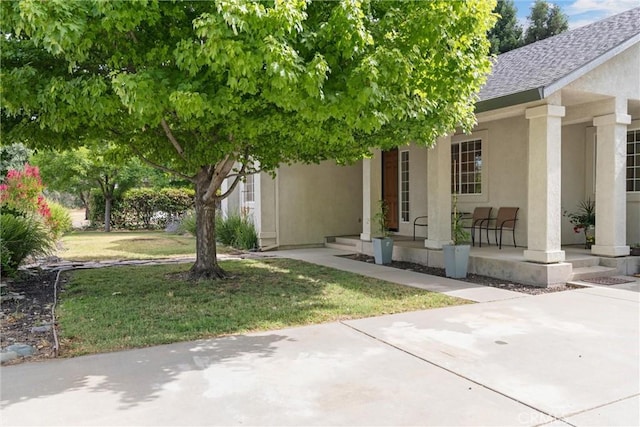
(28, 226)
(21, 193)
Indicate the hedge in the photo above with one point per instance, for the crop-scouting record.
(144, 208)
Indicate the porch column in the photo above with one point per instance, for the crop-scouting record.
(366, 200)
(439, 194)
(544, 184)
(611, 197)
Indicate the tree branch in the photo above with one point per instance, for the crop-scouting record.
(238, 178)
(220, 172)
(172, 138)
(160, 167)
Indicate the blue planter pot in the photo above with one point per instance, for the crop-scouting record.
(456, 260)
(383, 250)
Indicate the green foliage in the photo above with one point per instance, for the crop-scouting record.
(60, 220)
(506, 35)
(13, 156)
(545, 21)
(188, 223)
(459, 234)
(380, 220)
(97, 207)
(22, 236)
(237, 231)
(584, 217)
(144, 208)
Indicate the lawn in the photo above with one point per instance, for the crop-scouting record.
(124, 307)
(97, 246)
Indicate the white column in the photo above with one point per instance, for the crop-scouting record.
(366, 200)
(611, 197)
(439, 194)
(544, 184)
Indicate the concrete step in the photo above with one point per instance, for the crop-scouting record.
(589, 261)
(351, 241)
(593, 271)
(342, 247)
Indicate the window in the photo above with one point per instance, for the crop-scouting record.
(466, 167)
(248, 189)
(404, 186)
(633, 160)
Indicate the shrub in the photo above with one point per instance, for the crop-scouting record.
(188, 223)
(22, 236)
(236, 230)
(60, 220)
(144, 208)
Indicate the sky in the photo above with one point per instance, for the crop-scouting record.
(579, 12)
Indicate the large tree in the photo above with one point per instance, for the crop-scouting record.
(545, 20)
(506, 35)
(215, 90)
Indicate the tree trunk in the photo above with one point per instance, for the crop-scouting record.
(107, 214)
(85, 204)
(206, 266)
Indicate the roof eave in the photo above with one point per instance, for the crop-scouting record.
(523, 97)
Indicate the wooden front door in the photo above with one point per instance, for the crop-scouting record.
(390, 186)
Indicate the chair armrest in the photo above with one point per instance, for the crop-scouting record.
(415, 221)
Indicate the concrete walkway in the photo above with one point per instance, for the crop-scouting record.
(567, 358)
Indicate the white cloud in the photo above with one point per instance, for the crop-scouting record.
(607, 7)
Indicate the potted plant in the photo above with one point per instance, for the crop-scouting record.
(584, 221)
(382, 243)
(456, 256)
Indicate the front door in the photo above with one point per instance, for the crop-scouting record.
(390, 186)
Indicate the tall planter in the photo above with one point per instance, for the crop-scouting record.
(456, 260)
(382, 250)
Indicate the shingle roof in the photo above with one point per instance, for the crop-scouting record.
(537, 67)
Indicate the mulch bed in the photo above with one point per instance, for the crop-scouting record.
(471, 278)
(27, 303)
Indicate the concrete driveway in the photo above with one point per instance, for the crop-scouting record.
(568, 358)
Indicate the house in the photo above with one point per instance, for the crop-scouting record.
(558, 122)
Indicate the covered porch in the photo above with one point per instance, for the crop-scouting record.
(508, 263)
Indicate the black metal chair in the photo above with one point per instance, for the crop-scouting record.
(506, 220)
(420, 221)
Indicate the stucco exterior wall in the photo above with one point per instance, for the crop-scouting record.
(619, 77)
(505, 163)
(316, 201)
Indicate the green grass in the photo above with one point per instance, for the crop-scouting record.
(97, 246)
(125, 307)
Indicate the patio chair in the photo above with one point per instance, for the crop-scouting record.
(479, 217)
(420, 221)
(506, 220)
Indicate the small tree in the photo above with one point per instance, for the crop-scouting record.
(216, 90)
(98, 165)
(545, 21)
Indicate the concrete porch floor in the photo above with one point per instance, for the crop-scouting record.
(507, 263)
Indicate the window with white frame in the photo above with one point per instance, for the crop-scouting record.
(248, 190)
(466, 167)
(404, 186)
(633, 160)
